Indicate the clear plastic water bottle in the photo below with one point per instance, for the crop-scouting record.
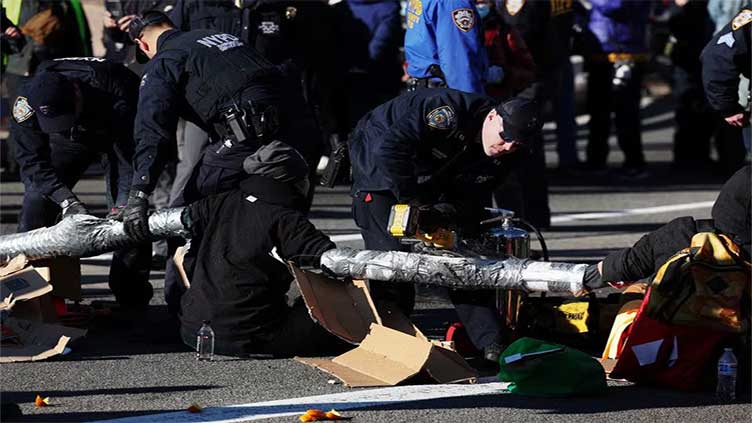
(726, 390)
(205, 342)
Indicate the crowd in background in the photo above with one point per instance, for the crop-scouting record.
(356, 54)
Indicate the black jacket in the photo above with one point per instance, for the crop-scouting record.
(109, 93)
(235, 281)
(727, 55)
(302, 35)
(546, 27)
(197, 75)
(731, 217)
(425, 135)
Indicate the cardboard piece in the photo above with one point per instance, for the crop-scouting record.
(64, 273)
(27, 296)
(391, 351)
(23, 340)
(21, 285)
(178, 259)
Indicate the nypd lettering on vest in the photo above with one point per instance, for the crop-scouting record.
(441, 118)
(464, 19)
(21, 109)
(85, 59)
(221, 41)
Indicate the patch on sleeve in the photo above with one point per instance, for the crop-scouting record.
(21, 109)
(727, 39)
(744, 17)
(143, 81)
(442, 118)
(464, 19)
(514, 6)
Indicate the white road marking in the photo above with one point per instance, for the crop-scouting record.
(564, 218)
(631, 212)
(340, 401)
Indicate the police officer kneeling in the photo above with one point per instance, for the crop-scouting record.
(72, 113)
(209, 78)
(235, 281)
(438, 146)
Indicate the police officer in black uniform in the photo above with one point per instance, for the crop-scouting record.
(72, 113)
(445, 149)
(213, 80)
(302, 36)
(725, 57)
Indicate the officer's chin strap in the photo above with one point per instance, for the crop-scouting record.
(455, 272)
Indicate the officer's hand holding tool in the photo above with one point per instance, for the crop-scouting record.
(136, 216)
(73, 206)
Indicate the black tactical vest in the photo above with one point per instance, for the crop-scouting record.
(220, 70)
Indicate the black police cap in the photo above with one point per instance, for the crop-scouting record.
(140, 22)
(53, 98)
(521, 120)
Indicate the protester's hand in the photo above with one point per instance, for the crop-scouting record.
(73, 206)
(109, 22)
(681, 3)
(736, 120)
(13, 32)
(124, 22)
(136, 217)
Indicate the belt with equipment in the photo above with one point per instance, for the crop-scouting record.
(248, 123)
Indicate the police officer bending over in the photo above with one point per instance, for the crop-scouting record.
(211, 79)
(439, 147)
(73, 112)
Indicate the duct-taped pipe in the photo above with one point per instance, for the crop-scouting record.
(84, 236)
(455, 272)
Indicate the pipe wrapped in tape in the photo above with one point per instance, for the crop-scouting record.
(84, 236)
(455, 272)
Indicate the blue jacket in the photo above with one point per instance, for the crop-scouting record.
(382, 17)
(620, 25)
(447, 33)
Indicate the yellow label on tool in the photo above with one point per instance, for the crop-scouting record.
(398, 224)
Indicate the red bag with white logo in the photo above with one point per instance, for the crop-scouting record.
(661, 354)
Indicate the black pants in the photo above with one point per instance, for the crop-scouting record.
(603, 98)
(475, 309)
(694, 118)
(297, 335)
(129, 271)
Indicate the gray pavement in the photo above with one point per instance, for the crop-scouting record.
(130, 365)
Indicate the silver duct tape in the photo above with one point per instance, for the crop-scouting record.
(455, 272)
(85, 236)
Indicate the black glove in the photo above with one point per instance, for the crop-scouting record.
(136, 217)
(73, 206)
(116, 213)
(440, 215)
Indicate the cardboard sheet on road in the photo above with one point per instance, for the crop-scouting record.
(391, 349)
(24, 340)
(26, 305)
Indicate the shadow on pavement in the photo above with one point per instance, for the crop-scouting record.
(84, 416)
(128, 332)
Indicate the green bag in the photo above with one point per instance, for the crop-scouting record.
(540, 368)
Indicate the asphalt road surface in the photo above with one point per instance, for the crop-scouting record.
(135, 365)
